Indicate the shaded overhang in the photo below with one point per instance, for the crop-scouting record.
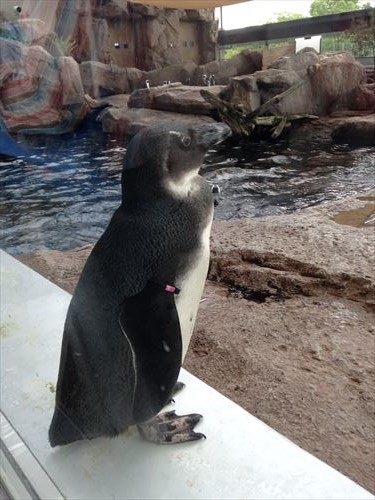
(190, 4)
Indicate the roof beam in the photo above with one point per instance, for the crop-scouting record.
(298, 28)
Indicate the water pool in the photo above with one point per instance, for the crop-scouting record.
(68, 201)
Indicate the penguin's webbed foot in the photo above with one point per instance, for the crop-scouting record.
(169, 428)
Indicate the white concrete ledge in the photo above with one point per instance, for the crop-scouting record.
(241, 458)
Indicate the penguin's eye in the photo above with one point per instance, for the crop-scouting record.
(186, 141)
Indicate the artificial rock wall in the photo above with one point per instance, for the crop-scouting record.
(123, 33)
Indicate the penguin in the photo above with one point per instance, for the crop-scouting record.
(132, 314)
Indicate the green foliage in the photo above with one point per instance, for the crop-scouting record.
(359, 41)
(324, 7)
(363, 40)
(233, 51)
(335, 43)
(280, 17)
(256, 46)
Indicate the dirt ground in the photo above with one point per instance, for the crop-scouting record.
(286, 327)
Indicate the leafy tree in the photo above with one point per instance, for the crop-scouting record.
(324, 7)
(280, 17)
(364, 39)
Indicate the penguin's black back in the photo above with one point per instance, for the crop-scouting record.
(144, 246)
(122, 348)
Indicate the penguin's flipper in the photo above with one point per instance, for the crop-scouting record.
(169, 428)
(149, 321)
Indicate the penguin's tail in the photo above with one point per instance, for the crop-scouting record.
(63, 430)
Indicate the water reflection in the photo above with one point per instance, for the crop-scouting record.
(269, 179)
(69, 200)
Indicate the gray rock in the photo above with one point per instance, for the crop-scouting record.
(317, 258)
(27, 31)
(356, 131)
(117, 101)
(362, 98)
(331, 82)
(52, 93)
(299, 62)
(183, 73)
(244, 63)
(272, 82)
(174, 97)
(127, 122)
(100, 79)
(136, 78)
(242, 91)
(333, 79)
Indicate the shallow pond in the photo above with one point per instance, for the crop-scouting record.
(68, 201)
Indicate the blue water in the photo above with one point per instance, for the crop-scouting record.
(68, 201)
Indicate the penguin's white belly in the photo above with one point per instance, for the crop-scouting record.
(191, 286)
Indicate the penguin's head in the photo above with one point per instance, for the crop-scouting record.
(170, 152)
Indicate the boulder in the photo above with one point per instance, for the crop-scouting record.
(174, 97)
(185, 100)
(272, 82)
(27, 31)
(127, 122)
(100, 80)
(111, 9)
(362, 98)
(183, 73)
(356, 131)
(242, 91)
(331, 82)
(39, 93)
(72, 91)
(117, 101)
(244, 63)
(333, 79)
(299, 63)
(136, 78)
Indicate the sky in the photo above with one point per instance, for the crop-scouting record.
(258, 12)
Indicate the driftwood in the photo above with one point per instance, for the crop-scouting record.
(243, 123)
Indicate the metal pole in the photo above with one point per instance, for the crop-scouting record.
(221, 17)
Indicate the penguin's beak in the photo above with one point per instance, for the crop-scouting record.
(211, 134)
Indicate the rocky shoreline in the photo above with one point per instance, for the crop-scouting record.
(301, 86)
(286, 325)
